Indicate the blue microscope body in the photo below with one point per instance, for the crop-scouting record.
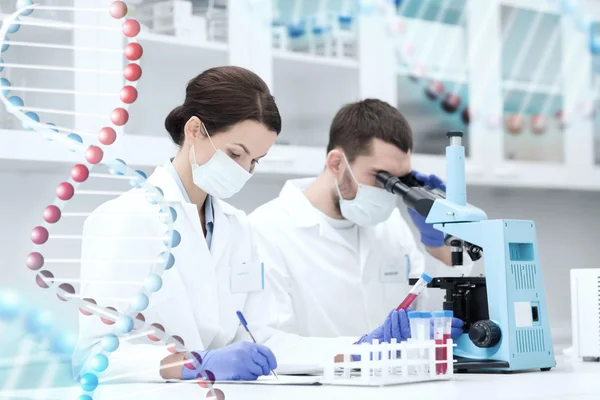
(506, 315)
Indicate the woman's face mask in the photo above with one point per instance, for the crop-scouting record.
(370, 206)
(220, 177)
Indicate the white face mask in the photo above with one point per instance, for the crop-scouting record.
(370, 206)
(220, 177)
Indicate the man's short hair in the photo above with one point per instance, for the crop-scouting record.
(355, 125)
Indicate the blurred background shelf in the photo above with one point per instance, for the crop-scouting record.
(310, 88)
(167, 65)
(529, 87)
(165, 43)
(290, 59)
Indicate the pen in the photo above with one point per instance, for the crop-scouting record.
(245, 325)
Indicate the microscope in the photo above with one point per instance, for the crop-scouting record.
(505, 313)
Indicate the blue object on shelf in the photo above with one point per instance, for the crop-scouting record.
(345, 20)
(318, 30)
(594, 45)
(296, 30)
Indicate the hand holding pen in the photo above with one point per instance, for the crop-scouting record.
(245, 325)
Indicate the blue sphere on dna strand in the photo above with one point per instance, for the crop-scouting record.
(35, 343)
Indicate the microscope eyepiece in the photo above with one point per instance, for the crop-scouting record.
(416, 197)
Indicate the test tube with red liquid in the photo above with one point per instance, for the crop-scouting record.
(439, 330)
(449, 314)
(415, 291)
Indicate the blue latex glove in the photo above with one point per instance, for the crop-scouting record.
(396, 326)
(240, 361)
(430, 236)
(457, 328)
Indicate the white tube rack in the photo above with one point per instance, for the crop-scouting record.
(385, 364)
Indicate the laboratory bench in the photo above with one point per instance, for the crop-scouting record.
(569, 380)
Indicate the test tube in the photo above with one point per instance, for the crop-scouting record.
(439, 329)
(414, 318)
(424, 335)
(415, 291)
(425, 326)
(448, 315)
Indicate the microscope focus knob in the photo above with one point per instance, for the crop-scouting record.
(485, 333)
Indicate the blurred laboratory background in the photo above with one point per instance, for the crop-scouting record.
(519, 77)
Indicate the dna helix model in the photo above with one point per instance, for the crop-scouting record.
(39, 347)
(88, 123)
(444, 82)
(451, 96)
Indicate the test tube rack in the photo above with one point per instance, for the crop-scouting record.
(386, 364)
(330, 36)
(183, 18)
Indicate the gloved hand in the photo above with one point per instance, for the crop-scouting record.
(396, 326)
(457, 328)
(239, 361)
(430, 236)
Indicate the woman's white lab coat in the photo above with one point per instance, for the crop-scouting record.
(200, 294)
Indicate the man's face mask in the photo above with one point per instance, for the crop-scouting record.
(370, 206)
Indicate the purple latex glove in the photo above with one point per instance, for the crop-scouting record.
(239, 361)
(430, 181)
(457, 328)
(430, 236)
(395, 326)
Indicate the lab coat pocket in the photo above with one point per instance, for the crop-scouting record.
(247, 277)
(394, 270)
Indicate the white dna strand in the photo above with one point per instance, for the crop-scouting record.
(66, 259)
(451, 96)
(36, 350)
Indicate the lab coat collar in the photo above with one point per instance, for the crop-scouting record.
(172, 193)
(163, 179)
(220, 236)
(304, 214)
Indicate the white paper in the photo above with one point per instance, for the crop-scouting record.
(299, 369)
(283, 380)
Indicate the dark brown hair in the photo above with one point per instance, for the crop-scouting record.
(355, 125)
(222, 97)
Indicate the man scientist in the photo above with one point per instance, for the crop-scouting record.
(337, 252)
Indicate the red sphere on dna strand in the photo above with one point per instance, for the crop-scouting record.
(78, 244)
(518, 72)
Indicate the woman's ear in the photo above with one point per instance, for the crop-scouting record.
(335, 162)
(193, 129)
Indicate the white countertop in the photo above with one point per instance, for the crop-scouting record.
(569, 380)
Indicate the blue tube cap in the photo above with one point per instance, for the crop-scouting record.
(439, 314)
(413, 314)
(425, 314)
(449, 313)
(426, 277)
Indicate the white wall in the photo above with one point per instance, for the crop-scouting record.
(567, 224)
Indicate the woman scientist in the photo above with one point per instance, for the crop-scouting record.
(227, 123)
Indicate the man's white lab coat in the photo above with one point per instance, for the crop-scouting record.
(329, 281)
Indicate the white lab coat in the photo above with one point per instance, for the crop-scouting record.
(323, 286)
(196, 301)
